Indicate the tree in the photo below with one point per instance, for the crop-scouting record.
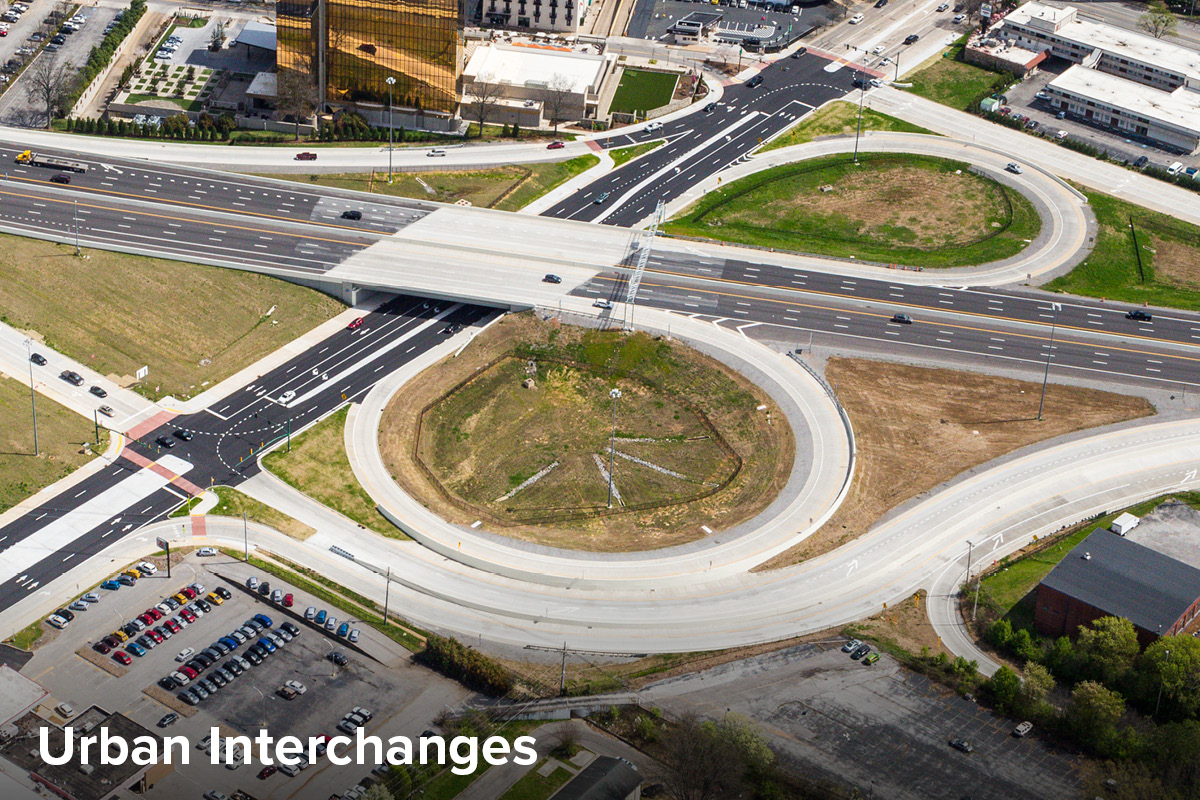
(972, 8)
(743, 734)
(47, 83)
(297, 96)
(556, 99)
(1158, 21)
(485, 91)
(700, 764)
(377, 792)
(1000, 633)
(1093, 711)
(1108, 648)
(1005, 687)
(1038, 683)
(218, 37)
(1172, 665)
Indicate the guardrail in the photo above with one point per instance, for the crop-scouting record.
(795, 356)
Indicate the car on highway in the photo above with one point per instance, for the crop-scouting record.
(962, 745)
(60, 178)
(911, 38)
(602, 303)
(355, 324)
(654, 126)
(1014, 168)
(550, 277)
(436, 152)
(556, 145)
(182, 434)
(878, 49)
(306, 156)
(600, 198)
(1138, 315)
(942, 7)
(1023, 729)
(38, 358)
(958, 18)
(106, 410)
(756, 80)
(71, 377)
(352, 214)
(902, 319)
(287, 397)
(857, 18)
(96, 390)
(165, 441)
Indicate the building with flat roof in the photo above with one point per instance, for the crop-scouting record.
(18, 695)
(534, 78)
(1110, 575)
(1169, 118)
(257, 36)
(606, 778)
(559, 16)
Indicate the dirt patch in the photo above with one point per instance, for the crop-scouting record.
(905, 625)
(1176, 263)
(494, 435)
(159, 695)
(103, 662)
(917, 427)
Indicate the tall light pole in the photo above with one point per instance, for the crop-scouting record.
(1160, 688)
(32, 394)
(264, 705)
(390, 83)
(78, 252)
(615, 394)
(862, 90)
(1049, 353)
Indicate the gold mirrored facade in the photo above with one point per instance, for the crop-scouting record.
(351, 47)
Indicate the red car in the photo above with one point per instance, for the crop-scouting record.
(191, 673)
(146, 619)
(189, 592)
(154, 613)
(102, 648)
(155, 635)
(287, 601)
(172, 626)
(306, 156)
(556, 145)
(121, 657)
(355, 324)
(188, 615)
(3, 31)
(267, 772)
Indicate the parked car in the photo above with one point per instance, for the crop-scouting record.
(961, 744)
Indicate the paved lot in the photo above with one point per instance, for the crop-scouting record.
(651, 18)
(1023, 101)
(194, 49)
(405, 698)
(15, 106)
(880, 727)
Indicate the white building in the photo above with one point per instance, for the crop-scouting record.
(534, 78)
(1133, 83)
(559, 16)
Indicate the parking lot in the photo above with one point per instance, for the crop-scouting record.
(15, 107)
(652, 18)
(193, 49)
(404, 699)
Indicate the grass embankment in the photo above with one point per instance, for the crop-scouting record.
(534, 786)
(893, 209)
(318, 466)
(506, 188)
(623, 155)
(61, 434)
(916, 428)
(953, 82)
(642, 90)
(191, 325)
(1169, 250)
(27, 637)
(840, 118)
(233, 503)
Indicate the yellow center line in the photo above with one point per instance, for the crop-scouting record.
(169, 217)
(957, 326)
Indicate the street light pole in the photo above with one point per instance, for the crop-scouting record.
(862, 90)
(390, 83)
(78, 252)
(32, 395)
(970, 549)
(1049, 353)
(1160, 688)
(615, 394)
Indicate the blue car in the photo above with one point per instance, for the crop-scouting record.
(264, 619)
(111, 585)
(230, 642)
(343, 629)
(268, 644)
(136, 649)
(320, 619)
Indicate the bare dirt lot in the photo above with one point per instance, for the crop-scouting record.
(480, 445)
(1176, 263)
(918, 427)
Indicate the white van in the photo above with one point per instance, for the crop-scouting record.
(1175, 168)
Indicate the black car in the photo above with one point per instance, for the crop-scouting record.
(352, 214)
(290, 628)
(880, 3)
(204, 606)
(61, 177)
(165, 441)
(58, 39)
(38, 359)
(339, 658)
(1139, 315)
(551, 278)
(184, 435)
(859, 83)
(1142, 161)
(67, 615)
(911, 38)
(600, 198)
(755, 81)
(73, 378)
(903, 319)
(961, 744)
(169, 719)
(167, 683)
(222, 593)
(96, 390)
(800, 52)
(860, 651)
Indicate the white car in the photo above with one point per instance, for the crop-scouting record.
(146, 566)
(287, 397)
(601, 304)
(1014, 168)
(56, 621)
(436, 152)
(654, 126)
(875, 82)
(296, 686)
(878, 49)
(206, 551)
(1062, 135)
(185, 654)
(857, 18)
(959, 18)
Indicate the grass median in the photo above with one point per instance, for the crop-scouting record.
(623, 155)
(840, 118)
(192, 325)
(914, 210)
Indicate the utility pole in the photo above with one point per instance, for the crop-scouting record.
(78, 252)
(562, 677)
(1160, 688)
(615, 394)
(32, 395)
(390, 83)
(96, 424)
(862, 90)
(970, 548)
(387, 589)
(975, 608)
(1049, 353)
(246, 538)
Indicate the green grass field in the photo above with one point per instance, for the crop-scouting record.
(61, 434)
(623, 155)
(892, 209)
(1169, 249)
(533, 786)
(840, 118)
(642, 91)
(191, 325)
(953, 82)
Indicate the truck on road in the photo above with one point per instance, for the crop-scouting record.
(51, 162)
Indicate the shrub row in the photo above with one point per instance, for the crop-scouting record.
(469, 667)
(102, 53)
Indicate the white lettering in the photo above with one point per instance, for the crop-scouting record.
(44, 746)
(525, 745)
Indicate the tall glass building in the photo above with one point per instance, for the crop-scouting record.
(351, 47)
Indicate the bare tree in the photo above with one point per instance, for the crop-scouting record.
(47, 83)
(700, 764)
(296, 95)
(556, 99)
(1158, 21)
(485, 91)
(972, 8)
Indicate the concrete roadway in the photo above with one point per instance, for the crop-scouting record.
(41, 544)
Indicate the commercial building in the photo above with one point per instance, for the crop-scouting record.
(538, 83)
(559, 16)
(348, 49)
(1111, 575)
(1128, 81)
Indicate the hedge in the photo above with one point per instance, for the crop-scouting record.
(102, 54)
(469, 667)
